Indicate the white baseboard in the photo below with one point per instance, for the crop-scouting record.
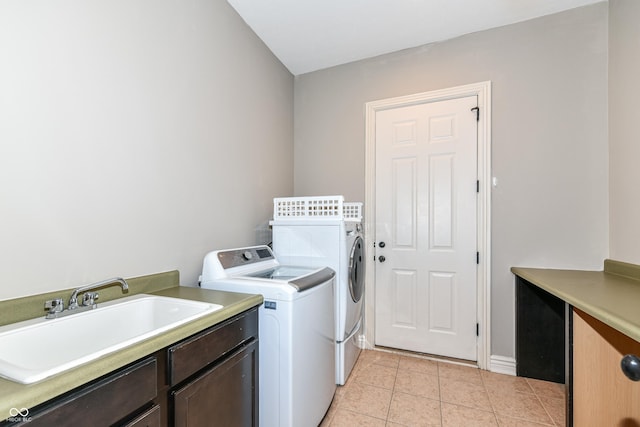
(362, 342)
(503, 365)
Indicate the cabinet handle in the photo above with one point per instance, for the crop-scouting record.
(630, 366)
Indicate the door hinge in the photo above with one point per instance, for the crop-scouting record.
(477, 186)
(477, 110)
(477, 329)
(477, 257)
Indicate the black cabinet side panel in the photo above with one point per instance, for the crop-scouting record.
(540, 333)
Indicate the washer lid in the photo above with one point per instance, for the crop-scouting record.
(300, 278)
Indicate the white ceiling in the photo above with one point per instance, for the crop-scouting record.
(308, 35)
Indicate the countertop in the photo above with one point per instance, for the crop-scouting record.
(15, 395)
(611, 296)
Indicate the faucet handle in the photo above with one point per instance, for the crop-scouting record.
(88, 299)
(54, 307)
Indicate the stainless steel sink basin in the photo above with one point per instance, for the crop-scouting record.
(36, 349)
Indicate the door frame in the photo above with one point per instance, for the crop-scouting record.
(483, 91)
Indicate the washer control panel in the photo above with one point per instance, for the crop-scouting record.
(244, 256)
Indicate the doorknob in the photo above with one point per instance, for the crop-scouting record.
(630, 366)
(381, 258)
(382, 244)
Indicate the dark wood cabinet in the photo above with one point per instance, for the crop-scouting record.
(195, 353)
(224, 395)
(208, 379)
(108, 399)
(150, 418)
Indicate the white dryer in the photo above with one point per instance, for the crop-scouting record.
(332, 238)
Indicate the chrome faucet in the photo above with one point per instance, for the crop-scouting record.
(73, 301)
(56, 307)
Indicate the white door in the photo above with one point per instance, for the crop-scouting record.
(426, 222)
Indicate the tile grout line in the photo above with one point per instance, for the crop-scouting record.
(393, 390)
(544, 407)
(493, 408)
(535, 392)
(439, 393)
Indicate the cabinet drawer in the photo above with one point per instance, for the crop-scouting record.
(195, 353)
(104, 402)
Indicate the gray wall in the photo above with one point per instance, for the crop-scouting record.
(549, 76)
(624, 117)
(134, 138)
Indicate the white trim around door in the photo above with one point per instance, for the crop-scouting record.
(483, 91)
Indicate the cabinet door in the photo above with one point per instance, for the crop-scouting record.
(602, 394)
(150, 418)
(225, 395)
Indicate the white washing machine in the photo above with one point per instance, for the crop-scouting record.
(296, 331)
(323, 240)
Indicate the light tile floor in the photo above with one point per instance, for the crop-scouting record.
(387, 389)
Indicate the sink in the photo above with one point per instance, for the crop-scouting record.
(35, 349)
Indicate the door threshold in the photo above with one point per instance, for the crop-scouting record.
(427, 356)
